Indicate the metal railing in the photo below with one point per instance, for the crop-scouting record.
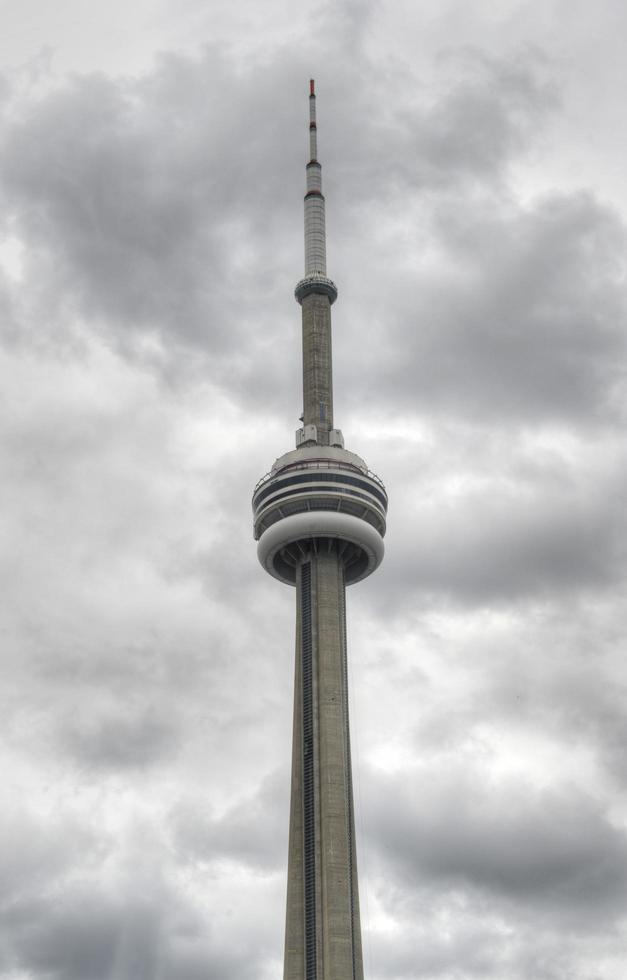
(319, 464)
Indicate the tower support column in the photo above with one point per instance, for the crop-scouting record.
(323, 937)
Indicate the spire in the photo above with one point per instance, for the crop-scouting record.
(315, 293)
(313, 144)
(316, 279)
(315, 233)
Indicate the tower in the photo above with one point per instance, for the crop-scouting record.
(319, 519)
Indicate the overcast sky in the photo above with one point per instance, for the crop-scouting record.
(151, 179)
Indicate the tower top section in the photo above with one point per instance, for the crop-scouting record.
(315, 279)
(318, 498)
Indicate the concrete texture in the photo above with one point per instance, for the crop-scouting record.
(332, 922)
(317, 365)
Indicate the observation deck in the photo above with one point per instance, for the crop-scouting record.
(320, 498)
(316, 283)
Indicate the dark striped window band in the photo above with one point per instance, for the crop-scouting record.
(309, 821)
(323, 477)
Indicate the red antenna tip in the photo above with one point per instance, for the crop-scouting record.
(311, 87)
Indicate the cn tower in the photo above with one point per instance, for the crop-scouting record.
(319, 519)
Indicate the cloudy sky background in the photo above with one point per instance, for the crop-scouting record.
(151, 181)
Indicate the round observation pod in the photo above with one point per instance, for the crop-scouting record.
(315, 282)
(320, 499)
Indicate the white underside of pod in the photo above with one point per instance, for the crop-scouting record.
(320, 524)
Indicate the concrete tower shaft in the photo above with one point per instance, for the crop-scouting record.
(317, 369)
(322, 935)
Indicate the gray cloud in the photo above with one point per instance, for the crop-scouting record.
(121, 737)
(150, 361)
(500, 517)
(138, 216)
(131, 212)
(496, 542)
(86, 933)
(463, 127)
(522, 317)
(554, 849)
(251, 832)
(71, 921)
(473, 938)
(566, 696)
